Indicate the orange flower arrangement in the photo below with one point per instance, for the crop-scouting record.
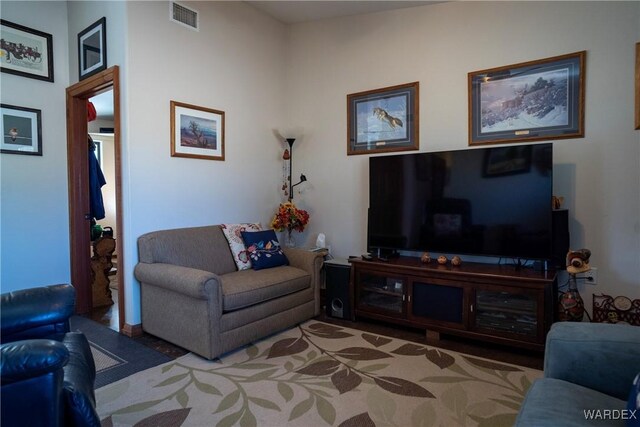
(289, 218)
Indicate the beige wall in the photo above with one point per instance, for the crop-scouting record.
(236, 64)
(438, 45)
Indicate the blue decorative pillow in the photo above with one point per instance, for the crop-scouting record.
(633, 407)
(264, 249)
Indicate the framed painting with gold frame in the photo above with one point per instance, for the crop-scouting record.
(383, 120)
(530, 101)
(196, 132)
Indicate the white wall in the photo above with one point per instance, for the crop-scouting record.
(235, 63)
(109, 171)
(438, 45)
(34, 224)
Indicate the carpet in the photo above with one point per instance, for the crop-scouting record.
(318, 374)
(115, 355)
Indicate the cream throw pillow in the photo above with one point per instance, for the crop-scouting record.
(239, 251)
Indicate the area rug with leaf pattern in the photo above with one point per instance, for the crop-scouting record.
(318, 374)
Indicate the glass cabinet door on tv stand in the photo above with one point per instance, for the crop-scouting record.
(383, 293)
(507, 311)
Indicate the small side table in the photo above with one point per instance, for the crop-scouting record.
(338, 300)
(100, 266)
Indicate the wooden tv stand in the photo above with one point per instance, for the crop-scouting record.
(489, 302)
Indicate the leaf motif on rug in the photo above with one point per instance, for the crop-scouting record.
(288, 347)
(360, 420)
(346, 380)
(328, 331)
(375, 340)
(318, 374)
(172, 418)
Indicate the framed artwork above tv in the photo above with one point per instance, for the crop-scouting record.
(530, 101)
(383, 120)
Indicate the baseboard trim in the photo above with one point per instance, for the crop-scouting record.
(132, 331)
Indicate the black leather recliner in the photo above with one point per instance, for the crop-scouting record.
(47, 372)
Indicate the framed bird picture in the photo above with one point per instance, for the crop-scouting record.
(21, 130)
(383, 120)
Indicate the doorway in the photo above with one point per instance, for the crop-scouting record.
(79, 201)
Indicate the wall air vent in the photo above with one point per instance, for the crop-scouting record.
(183, 15)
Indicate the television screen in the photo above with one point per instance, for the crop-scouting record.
(489, 202)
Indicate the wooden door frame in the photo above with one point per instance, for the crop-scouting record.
(78, 176)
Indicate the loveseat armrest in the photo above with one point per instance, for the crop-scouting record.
(599, 356)
(22, 360)
(36, 312)
(192, 282)
(311, 262)
(306, 260)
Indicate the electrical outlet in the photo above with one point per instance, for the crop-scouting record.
(589, 277)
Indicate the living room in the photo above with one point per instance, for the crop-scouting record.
(275, 80)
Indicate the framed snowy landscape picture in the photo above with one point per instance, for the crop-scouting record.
(536, 100)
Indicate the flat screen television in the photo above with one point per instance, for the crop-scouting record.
(486, 202)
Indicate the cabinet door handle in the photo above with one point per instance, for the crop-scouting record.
(409, 298)
(471, 308)
(403, 297)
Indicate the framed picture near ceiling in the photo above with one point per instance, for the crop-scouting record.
(92, 49)
(637, 85)
(383, 120)
(26, 52)
(531, 101)
(196, 132)
(21, 130)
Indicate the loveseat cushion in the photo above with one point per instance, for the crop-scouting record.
(248, 287)
(264, 249)
(202, 248)
(553, 402)
(239, 251)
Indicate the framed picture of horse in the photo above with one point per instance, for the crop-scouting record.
(25, 52)
(383, 120)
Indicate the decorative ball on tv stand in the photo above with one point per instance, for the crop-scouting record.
(571, 305)
(442, 260)
(456, 261)
(425, 258)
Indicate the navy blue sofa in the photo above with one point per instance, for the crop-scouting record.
(47, 372)
(587, 367)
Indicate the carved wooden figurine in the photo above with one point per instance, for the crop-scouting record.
(100, 266)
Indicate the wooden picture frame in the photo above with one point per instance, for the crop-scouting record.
(92, 49)
(637, 109)
(21, 129)
(196, 132)
(27, 52)
(383, 120)
(530, 101)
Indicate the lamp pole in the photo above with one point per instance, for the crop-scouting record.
(290, 141)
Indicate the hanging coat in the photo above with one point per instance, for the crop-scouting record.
(96, 181)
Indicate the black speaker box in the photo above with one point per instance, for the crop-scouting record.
(338, 298)
(560, 237)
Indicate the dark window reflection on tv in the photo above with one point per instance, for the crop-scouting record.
(491, 201)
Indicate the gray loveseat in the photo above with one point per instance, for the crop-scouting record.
(192, 294)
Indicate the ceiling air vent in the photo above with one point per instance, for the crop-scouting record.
(184, 15)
